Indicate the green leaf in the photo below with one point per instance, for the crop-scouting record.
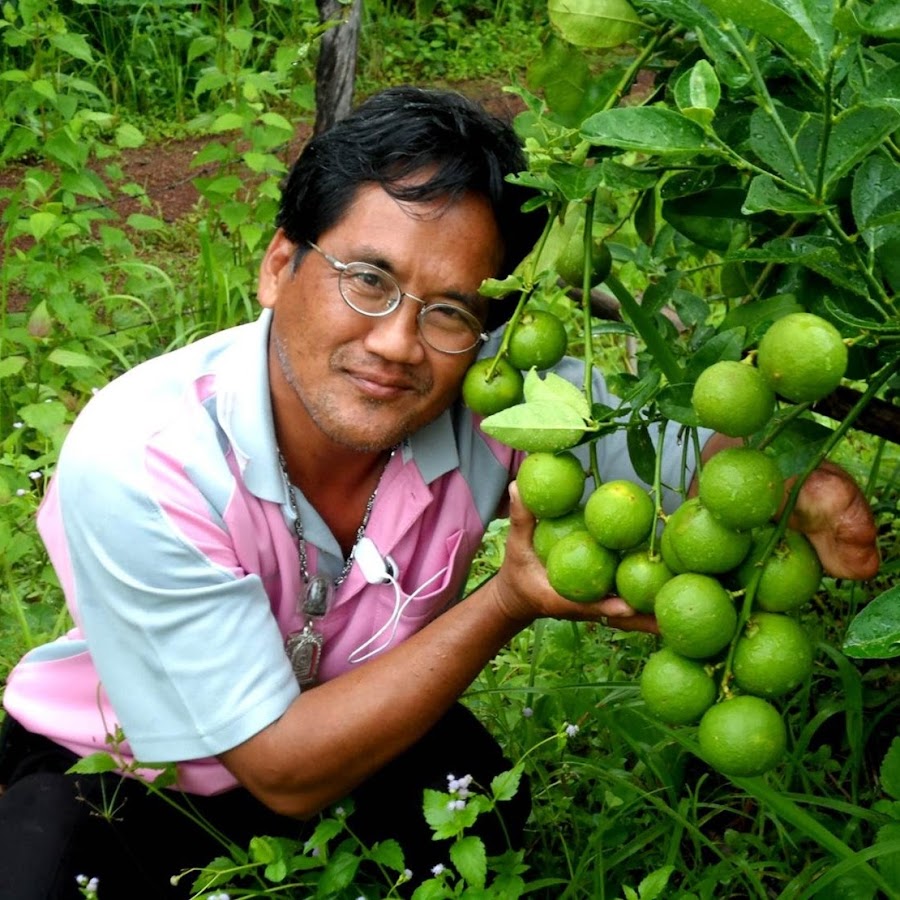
(575, 182)
(94, 764)
(875, 632)
(641, 451)
(553, 388)
(44, 417)
(505, 785)
(469, 857)
(875, 199)
(128, 137)
(764, 194)
(802, 27)
(595, 23)
(72, 359)
(239, 38)
(142, 222)
(12, 365)
(855, 133)
(698, 88)
(229, 121)
(40, 224)
(338, 873)
(675, 404)
(655, 883)
(707, 218)
(73, 44)
(883, 19)
(791, 150)
(890, 770)
(536, 425)
(388, 853)
(649, 129)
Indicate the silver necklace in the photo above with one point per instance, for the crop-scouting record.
(304, 647)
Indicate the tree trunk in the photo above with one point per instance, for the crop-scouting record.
(336, 66)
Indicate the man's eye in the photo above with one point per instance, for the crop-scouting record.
(370, 282)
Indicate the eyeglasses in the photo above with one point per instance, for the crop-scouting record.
(446, 326)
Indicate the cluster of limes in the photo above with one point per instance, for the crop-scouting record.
(715, 666)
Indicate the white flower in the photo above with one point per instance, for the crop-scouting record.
(36, 475)
(18, 424)
(21, 492)
(572, 730)
(528, 712)
(436, 870)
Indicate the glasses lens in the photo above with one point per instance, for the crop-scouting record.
(368, 289)
(449, 328)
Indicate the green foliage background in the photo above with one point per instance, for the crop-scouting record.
(740, 160)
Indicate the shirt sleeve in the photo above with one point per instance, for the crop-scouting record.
(183, 638)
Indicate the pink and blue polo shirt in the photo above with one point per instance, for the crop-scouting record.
(168, 523)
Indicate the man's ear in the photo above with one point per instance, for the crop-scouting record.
(275, 268)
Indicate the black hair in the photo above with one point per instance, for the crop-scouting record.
(405, 131)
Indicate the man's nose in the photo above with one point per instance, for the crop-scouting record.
(396, 336)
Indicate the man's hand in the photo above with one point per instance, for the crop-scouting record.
(833, 513)
(527, 595)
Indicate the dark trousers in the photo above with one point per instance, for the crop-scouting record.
(51, 830)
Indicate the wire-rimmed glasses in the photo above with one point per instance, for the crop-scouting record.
(446, 326)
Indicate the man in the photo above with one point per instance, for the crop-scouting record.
(262, 536)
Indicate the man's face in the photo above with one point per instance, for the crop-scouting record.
(366, 383)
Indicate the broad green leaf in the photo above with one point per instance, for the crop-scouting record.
(855, 133)
(338, 873)
(875, 632)
(757, 316)
(95, 764)
(40, 224)
(505, 785)
(239, 38)
(595, 23)
(880, 326)
(73, 44)
(653, 886)
(875, 199)
(12, 365)
(63, 148)
(698, 88)
(44, 88)
(276, 120)
(641, 451)
(821, 253)
(708, 218)
(802, 27)
(883, 19)
(675, 404)
(650, 129)
(764, 195)
(229, 121)
(470, 859)
(387, 853)
(890, 770)
(72, 359)
(536, 425)
(200, 46)
(129, 137)
(44, 417)
(142, 222)
(552, 388)
(575, 182)
(790, 150)
(727, 344)
(889, 864)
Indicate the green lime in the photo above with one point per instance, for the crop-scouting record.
(695, 615)
(790, 576)
(488, 396)
(694, 540)
(538, 340)
(550, 484)
(741, 487)
(579, 569)
(619, 514)
(569, 263)
(772, 656)
(639, 578)
(733, 398)
(802, 356)
(675, 689)
(548, 531)
(744, 736)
